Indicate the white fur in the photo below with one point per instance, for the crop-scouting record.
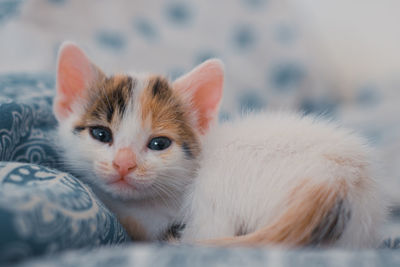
(250, 165)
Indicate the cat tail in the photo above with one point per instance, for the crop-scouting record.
(313, 215)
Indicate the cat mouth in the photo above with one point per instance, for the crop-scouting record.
(121, 182)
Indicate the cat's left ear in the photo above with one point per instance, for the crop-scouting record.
(204, 87)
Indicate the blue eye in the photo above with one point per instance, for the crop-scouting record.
(159, 143)
(100, 133)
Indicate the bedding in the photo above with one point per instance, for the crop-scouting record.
(48, 214)
(172, 256)
(46, 211)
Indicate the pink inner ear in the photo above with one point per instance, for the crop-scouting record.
(205, 85)
(75, 72)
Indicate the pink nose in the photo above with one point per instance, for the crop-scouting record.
(124, 161)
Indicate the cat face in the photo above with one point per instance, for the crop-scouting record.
(133, 136)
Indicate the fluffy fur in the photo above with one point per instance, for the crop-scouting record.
(283, 179)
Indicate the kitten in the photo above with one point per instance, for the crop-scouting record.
(134, 138)
(144, 143)
(283, 179)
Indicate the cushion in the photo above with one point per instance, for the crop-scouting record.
(26, 119)
(44, 211)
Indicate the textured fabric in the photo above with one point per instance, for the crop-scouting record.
(177, 256)
(45, 211)
(26, 119)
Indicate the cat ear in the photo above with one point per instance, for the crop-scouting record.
(75, 74)
(204, 86)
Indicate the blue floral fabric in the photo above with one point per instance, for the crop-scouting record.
(44, 211)
(26, 119)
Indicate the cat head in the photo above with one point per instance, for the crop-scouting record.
(133, 136)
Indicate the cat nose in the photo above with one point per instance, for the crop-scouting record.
(124, 161)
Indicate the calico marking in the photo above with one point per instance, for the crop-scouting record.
(168, 115)
(109, 100)
(159, 86)
(314, 216)
(134, 229)
(332, 225)
(174, 232)
(107, 103)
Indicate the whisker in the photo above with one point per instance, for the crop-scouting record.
(163, 192)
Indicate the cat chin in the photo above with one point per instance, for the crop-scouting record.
(124, 191)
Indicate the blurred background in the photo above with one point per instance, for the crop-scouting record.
(338, 58)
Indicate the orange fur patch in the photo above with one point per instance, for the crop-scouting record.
(167, 114)
(134, 229)
(307, 219)
(345, 161)
(363, 180)
(141, 170)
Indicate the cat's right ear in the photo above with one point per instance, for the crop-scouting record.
(75, 74)
(203, 87)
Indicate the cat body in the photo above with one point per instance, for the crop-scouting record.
(151, 151)
(284, 179)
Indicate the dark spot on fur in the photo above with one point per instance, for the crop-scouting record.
(174, 232)
(119, 97)
(110, 113)
(241, 230)
(78, 129)
(160, 86)
(122, 93)
(96, 113)
(187, 150)
(111, 98)
(332, 226)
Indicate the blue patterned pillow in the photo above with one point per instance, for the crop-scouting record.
(26, 119)
(41, 210)
(45, 211)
